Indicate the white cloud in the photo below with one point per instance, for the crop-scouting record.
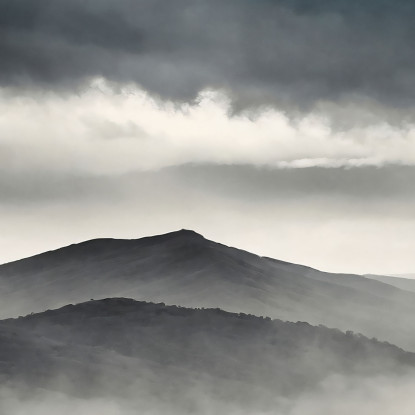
(105, 131)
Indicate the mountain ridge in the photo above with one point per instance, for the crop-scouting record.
(188, 337)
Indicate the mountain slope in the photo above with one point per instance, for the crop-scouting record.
(153, 355)
(184, 268)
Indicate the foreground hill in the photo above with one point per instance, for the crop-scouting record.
(186, 269)
(169, 359)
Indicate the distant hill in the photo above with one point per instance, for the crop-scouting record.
(183, 360)
(186, 269)
(403, 282)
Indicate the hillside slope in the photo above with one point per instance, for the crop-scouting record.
(167, 358)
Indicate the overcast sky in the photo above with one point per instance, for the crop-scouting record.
(284, 127)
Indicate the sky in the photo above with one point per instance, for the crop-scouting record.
(283, 127)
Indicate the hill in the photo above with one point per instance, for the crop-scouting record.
(404, 283)
(168, 359)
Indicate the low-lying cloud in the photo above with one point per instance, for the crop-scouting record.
(336, 394)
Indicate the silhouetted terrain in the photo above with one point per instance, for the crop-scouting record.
(186, 269)
(185, 360)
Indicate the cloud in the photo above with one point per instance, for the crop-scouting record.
(107, 132)
(290, 54)
(369, 186)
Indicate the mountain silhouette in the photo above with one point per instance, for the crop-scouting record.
(184, 268)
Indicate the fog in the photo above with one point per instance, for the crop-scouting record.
(342, 396)
(337, 395)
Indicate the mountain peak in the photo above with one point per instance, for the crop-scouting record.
(184, 233)
(189, 232)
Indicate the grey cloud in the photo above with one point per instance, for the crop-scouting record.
(367, 184)
(287, 53)
(44, 187)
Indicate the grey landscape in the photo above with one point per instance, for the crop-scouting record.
(207, 207)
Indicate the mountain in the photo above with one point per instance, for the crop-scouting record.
(169, 359)
(404, 283)
(186, 269)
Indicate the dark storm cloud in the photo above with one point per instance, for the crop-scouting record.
(289, 53)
